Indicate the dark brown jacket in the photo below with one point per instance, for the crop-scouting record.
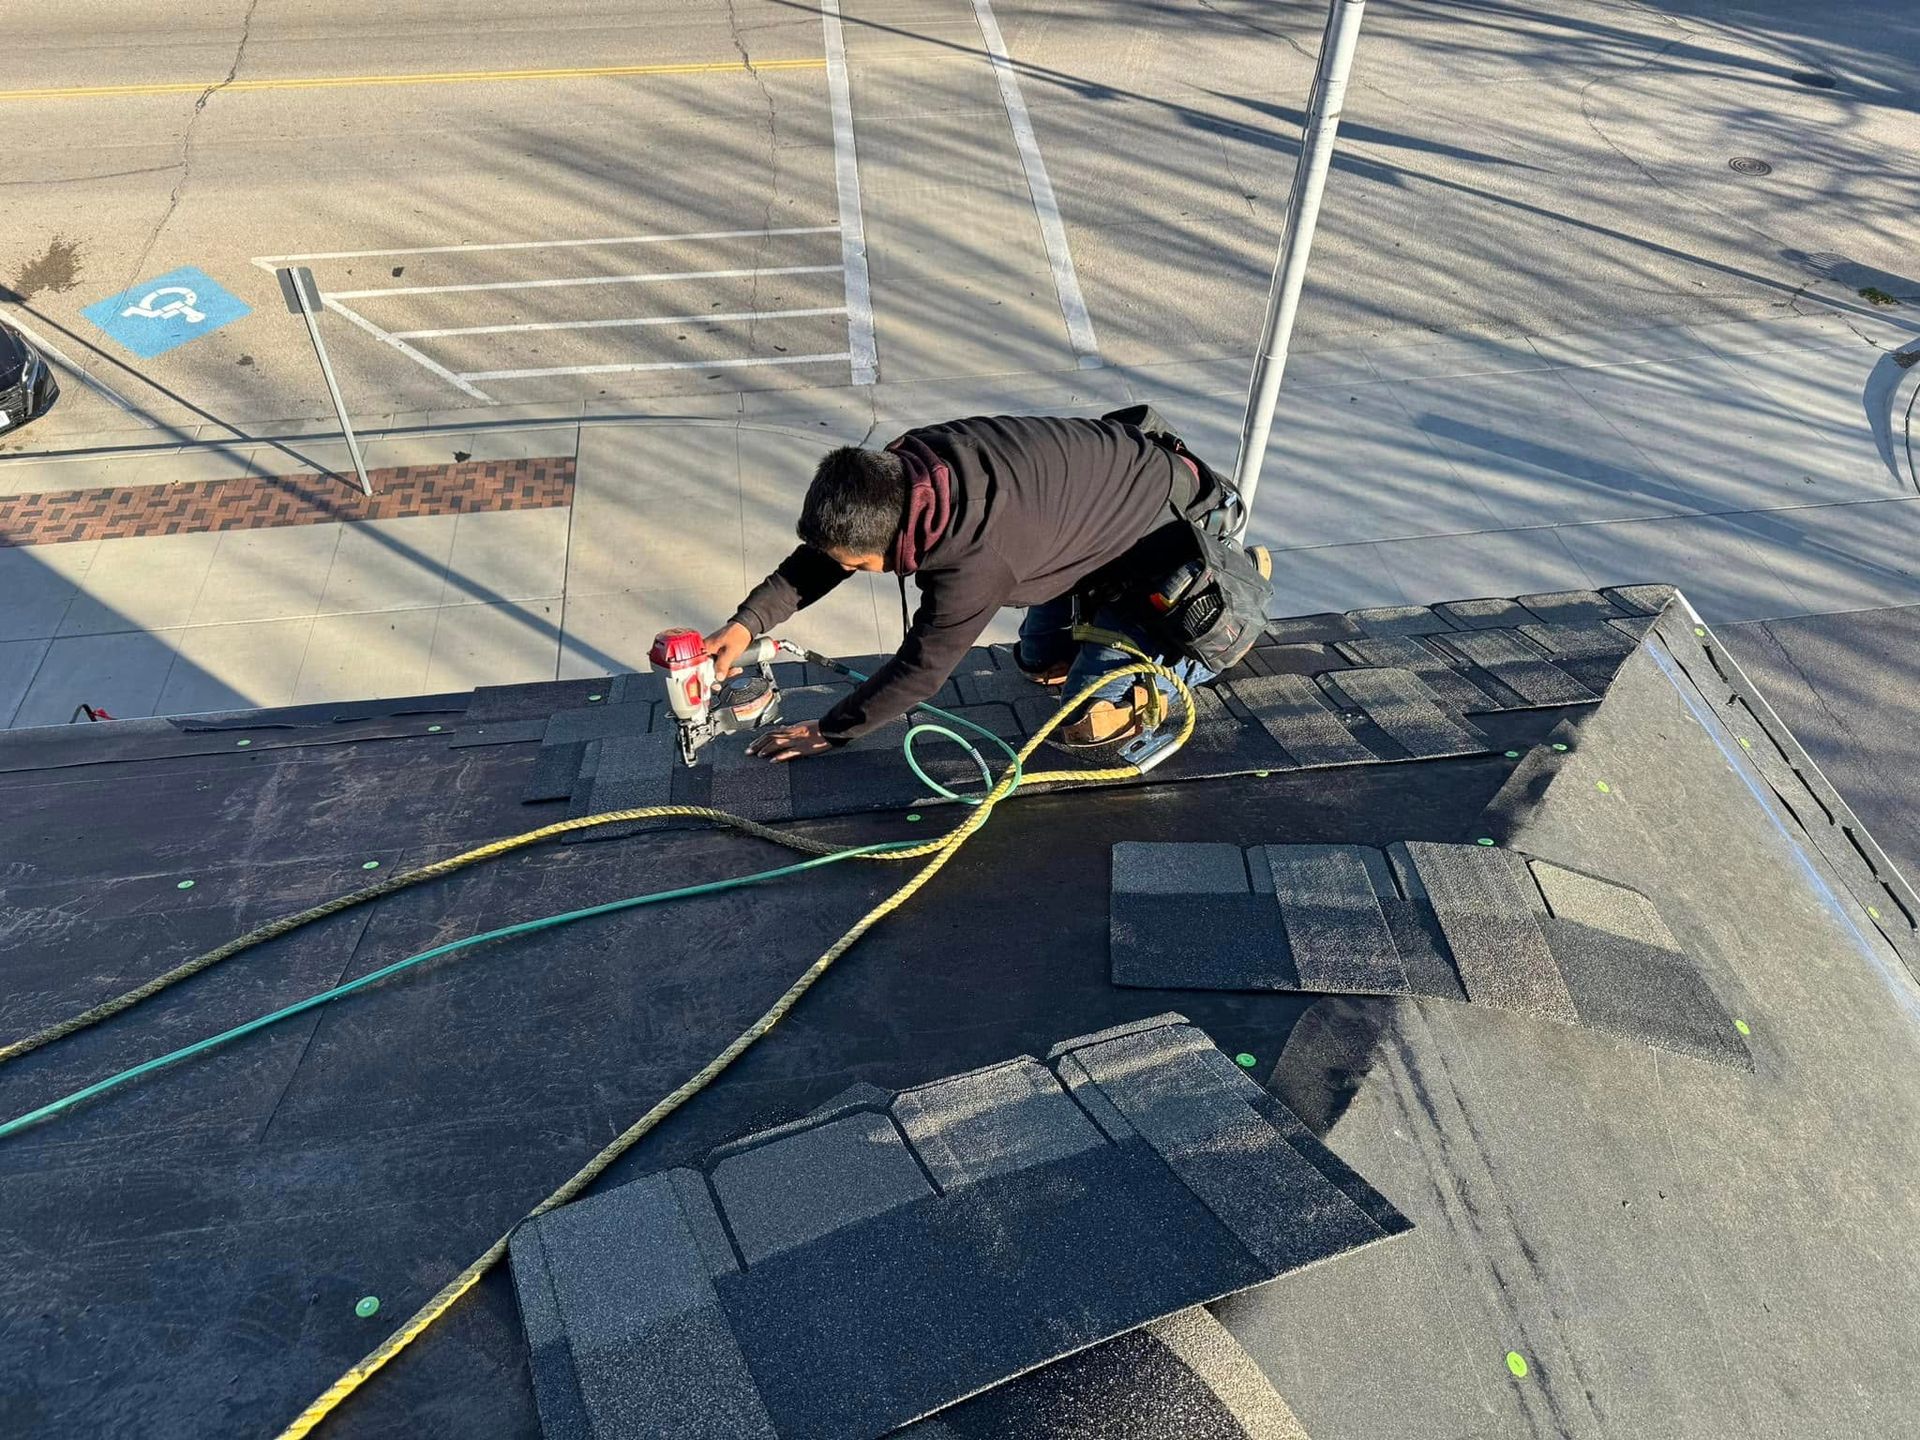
(1038, 505)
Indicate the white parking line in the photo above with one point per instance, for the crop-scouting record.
(579, 280)
(99, 387)
(655, 365)
(635, 320)
(1066, 282)
(846, 178)
(271, 260)
(464, 381)
(457, 381)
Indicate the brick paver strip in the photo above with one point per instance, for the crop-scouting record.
(54, 517)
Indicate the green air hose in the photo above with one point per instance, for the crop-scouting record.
(914, 733)
(312, 1002)
(200, 1047)
(936, 852)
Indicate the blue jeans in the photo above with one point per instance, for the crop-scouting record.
(1046, 638)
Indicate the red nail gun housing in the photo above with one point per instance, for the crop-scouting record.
(703, 709)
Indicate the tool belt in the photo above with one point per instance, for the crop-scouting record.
(1189, 581)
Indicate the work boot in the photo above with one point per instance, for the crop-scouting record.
(1052, 676)
(1105, 722)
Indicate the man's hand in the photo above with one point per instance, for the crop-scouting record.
(726, 645)
(790, 742)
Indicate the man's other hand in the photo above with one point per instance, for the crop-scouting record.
(790, 742)
(726, 645)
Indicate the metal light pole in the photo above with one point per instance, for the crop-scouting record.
(303, 299)
(1337, 45)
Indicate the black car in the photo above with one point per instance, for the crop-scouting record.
(27, 386)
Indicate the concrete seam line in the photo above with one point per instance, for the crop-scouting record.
(106, 391)
(1046, 209)
(846, 180)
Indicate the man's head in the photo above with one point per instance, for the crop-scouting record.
(854, 506)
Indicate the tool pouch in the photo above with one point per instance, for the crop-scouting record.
(1204, 597)
(1220, 609)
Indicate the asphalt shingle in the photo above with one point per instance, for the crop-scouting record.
(1449, 685)
(1293, 711)
(860, 1297)
(1518, 666)
(1336, 931)
(1399, 704)
(1492, 927)
(1388, 620)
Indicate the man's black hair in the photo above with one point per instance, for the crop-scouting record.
(856, 502)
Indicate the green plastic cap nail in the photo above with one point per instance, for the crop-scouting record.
(184, 885)
(1603, 787)
(367, 1307)
(593, 699)
(1245, 1061)
(1558, 746)
(1262, 774)
(243, 743)
(1698, 630)
(1517, 1363)
(433, 729)
(371, 865)
(1743, 1027)
(1513, 754)
(1484, 840)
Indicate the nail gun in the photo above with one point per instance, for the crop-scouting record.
(704, 706)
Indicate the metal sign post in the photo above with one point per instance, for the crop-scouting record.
(303, 299)
(1337, 45)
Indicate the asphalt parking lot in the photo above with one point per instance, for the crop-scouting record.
(599, 203)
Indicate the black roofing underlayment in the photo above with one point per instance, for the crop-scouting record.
(1455, 922)
(1672, 1248)
(841, 1276)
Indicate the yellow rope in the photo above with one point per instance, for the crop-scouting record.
(937, 852)
(941, 850)
(287, 923)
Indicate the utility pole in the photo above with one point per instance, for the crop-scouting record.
(1337, 44)
(303, 299)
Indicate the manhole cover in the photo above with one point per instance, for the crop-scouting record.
(1813, 78)
(1747, 165)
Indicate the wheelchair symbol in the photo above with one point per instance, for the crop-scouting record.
(162, 312)
(167, 303)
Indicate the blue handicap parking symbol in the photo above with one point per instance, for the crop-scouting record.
(156, 315)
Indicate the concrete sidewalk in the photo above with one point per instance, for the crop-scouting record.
(1761, 465)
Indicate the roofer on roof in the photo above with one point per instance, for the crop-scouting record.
(992, 512)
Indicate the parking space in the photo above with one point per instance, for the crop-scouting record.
(524, 320)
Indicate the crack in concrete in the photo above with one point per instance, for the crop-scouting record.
(773, 165)
(186, 141)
